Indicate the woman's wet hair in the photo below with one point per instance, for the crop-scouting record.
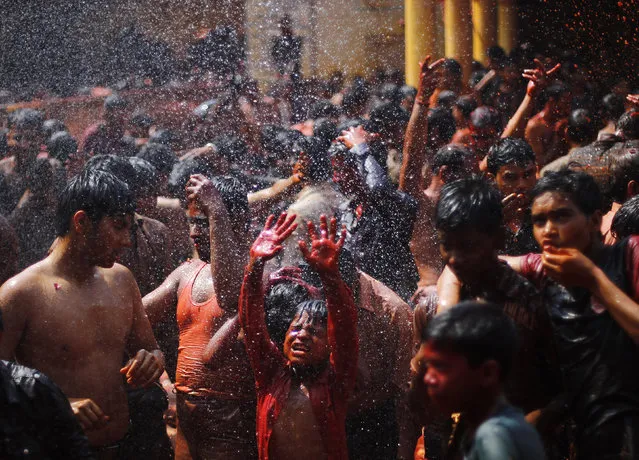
(626, 220)
(146, 178)
(118, 166)
(509, 151)
(96, 192)
(478, 331)
(318, 168)
(182, 172)
(577, 186)
(469, 204)
(234, 194)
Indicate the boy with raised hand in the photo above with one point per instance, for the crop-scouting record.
(302, 392)
(465, 357)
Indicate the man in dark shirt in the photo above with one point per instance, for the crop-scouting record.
(379, 219)
(36, 420)
(107, 137)
(591, 292)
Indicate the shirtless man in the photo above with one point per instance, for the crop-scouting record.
(92, 305)
(215, 400)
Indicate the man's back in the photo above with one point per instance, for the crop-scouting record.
(74, 333)
(504, 435)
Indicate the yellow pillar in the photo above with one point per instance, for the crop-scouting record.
(458, 33)
(484, 28)
(419, 20)
(507, 21)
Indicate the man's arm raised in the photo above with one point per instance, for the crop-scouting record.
(227, 252)
(416, 139)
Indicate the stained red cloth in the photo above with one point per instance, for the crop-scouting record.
(329, 393)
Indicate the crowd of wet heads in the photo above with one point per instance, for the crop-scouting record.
(330, 268)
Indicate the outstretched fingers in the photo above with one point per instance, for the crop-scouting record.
(323, 227)
(280, 220)
(312, 232)
(269, 222)
(286, 231)
(436, 64)
(342, 238)
(424, 64)
(553, 70)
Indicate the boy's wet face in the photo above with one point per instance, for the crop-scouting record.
(450, 381)
(469, 253)
(558, 222)
(109, 237)
(306, 342)
(512, 178)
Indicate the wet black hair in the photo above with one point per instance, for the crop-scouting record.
(442, 119)
(388, 117)
(323, 109)
(231, 148)
(325, 130)
(62, 144)
(162, 136)
(446, 99)
(624, 167)
(496, 53)
(408, 91)
(485, 117)
(578, 186)
(626, 220)
(316, 310)
(453, 67)
(114, 102)
(141, 120)
(270, 138)
(319, 165)
(478, 331)
(160, 156)
(234, 194)
(27, 119)
(118, 166)
(454, 156)
(628, 124)
(390, 92)
(182, 172)
(507, 151)
(98, 193)
(52, 126)
(612, 107)
(146, 178)
(466, 104)
(554, 91)
(280, 306)
(469, 204)
(582, 127)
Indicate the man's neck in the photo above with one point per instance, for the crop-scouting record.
(70, 260)
(483, 409)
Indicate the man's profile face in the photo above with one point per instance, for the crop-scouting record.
(469, 253)
(512, 178)
(450, 381)
(199, 232)
(559, 223)
(109, 237)
(306, 342)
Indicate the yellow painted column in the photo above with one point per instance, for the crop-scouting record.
(507, 24)
(484, 27)
(419, 35)
(458, 33)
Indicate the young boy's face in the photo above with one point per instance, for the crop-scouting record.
(512, 178)
(108, 238)
(559, 223)
(450, 381)
(306, 342)
(469, 253)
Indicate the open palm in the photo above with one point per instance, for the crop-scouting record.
(269, 241)
(323, 256)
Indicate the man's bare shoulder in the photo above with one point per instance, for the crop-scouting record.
(26, 284)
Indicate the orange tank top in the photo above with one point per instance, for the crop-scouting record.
(197, 323)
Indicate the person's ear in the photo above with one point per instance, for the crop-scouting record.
(490, 373)
(537, 171)
(442, 173)
(632, 189)
(81, 222)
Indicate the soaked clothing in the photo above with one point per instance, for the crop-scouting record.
(379, 231)
(36, 420)
(505, 435)
(330, 390)
(376, 411)
(220, 394)
(597, 356)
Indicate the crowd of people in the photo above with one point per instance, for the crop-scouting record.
(334, 270)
